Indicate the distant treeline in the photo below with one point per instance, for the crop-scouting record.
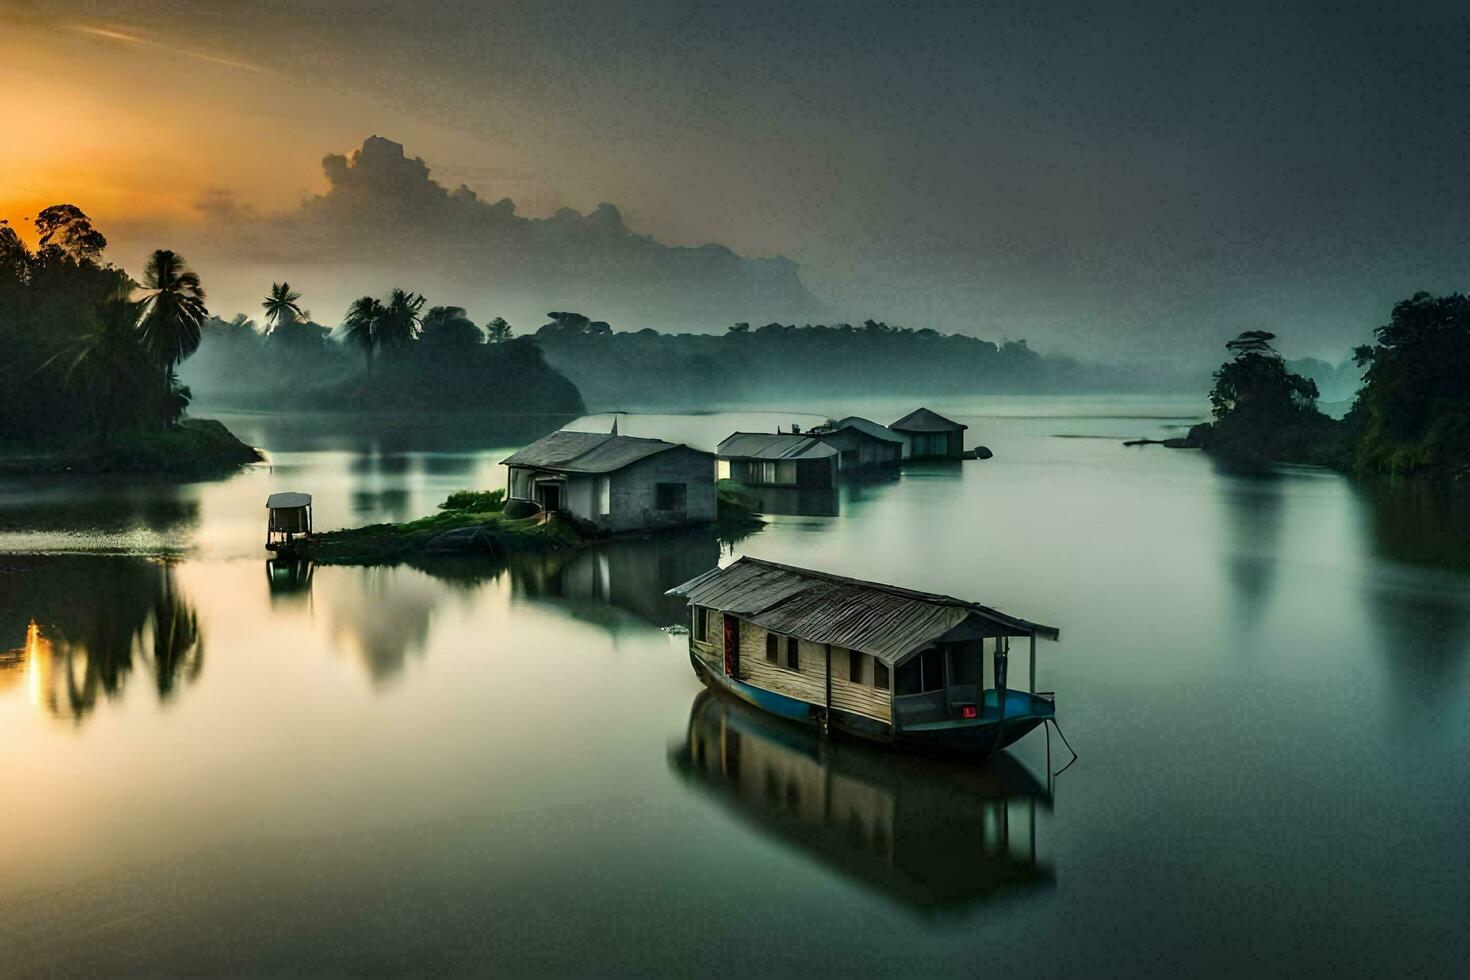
(760, 364)
(386, 356)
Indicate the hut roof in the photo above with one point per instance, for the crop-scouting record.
(286, 499)
(923, 420)
(779, 445)
(587, 452)
(883, 620)
(865, 426)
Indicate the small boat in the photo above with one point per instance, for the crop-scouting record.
(290, 519)
(891, 665)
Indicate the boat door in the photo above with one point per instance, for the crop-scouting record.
(732, 646)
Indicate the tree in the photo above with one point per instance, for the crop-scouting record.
(363, 323)
(109, 364)
(66, 228)
(401, 320)
(1413, 411)
(497, 331)
(174, 311)
(447, 327)
(1255, 384)
(280, 305)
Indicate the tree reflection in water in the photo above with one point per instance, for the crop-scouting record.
(87, 621)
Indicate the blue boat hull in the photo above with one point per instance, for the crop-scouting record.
(973, 737)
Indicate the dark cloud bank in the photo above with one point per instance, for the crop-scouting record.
(384, 210)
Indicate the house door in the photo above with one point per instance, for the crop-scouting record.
(732, 646)
(550, 495)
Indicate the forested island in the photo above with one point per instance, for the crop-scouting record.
(1411, 414)
(93, 355)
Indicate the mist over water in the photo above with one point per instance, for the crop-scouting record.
(466, 766)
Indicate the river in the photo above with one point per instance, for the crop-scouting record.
(210, 764)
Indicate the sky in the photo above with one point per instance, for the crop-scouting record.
(1116, 180)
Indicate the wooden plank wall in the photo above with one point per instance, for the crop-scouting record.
(810, 682)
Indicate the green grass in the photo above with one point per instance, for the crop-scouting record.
(475, 500)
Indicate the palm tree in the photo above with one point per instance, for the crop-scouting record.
(174, 311)
(107, 360)
(402, 318)
(363, 322)
(280, 306)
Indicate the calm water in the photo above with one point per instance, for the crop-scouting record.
(209, 764)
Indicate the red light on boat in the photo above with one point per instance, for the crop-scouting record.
(967, 711)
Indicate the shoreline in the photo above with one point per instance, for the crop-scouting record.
(198, 448)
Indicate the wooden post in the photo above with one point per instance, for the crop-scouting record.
(1032, 675)
(827, 710)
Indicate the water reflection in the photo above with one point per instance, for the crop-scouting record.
(289, 580)
(930, 835)
(1252, 507)
(1418, 522)
(630, 575)
(85, 622)
(797, 502)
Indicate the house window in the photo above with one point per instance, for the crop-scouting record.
(701, 629)
(670, 496)
(793, 658)
(786, 474)
(880, 675)
(722, 469)
(604, 495)
(855, 666)
(771, 647)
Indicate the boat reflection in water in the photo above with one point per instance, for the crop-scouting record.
(797, 502)
(289, 579)
(929, 834)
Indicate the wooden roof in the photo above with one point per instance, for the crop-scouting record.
(885, 621)
(923, 420)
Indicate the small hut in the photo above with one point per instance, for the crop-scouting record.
(929, 435)
(861, 443)
(290, 518)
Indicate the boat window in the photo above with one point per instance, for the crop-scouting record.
(933, 669)
(880, 675)
(700, 621)
(964, 665)
(793, 660)
(855, 666)
(771, 647)
(906, 678)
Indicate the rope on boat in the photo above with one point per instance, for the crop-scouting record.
(1068, 744)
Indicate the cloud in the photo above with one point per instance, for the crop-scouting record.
(133, 36)
(383, 209)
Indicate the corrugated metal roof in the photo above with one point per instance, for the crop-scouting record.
(865, 426)
(883, 620)
(586, 452)
(777, 445)
(923, 420)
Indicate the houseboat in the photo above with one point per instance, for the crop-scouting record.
(888, 664)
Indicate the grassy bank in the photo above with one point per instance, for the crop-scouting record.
(196, 448)
(473, 523)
